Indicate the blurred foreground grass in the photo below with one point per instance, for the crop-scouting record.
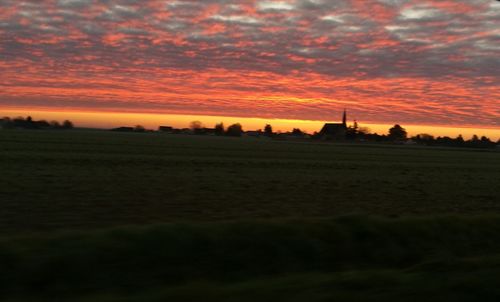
(352, 258)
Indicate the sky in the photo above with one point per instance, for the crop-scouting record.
(386, 61)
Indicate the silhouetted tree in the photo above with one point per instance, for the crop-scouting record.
(350, 133)
(29, 123)
(139, 128)
(356, 132)
(486, 142)
(397, 133)
(424, 139)
(55, 125)
(195, 125)
(477, 142)
(268, 130)
(67, 124)
(234, 130)
(445, 141)
(297, 132)
(43, 124)
(219, 129)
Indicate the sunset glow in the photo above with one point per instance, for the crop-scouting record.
(292, 63)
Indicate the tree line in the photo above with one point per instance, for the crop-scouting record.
(219, 129)
(29, 123)
(399, 134)
(396, 134)
(236, 129)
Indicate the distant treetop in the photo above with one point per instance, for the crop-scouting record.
(30, 123)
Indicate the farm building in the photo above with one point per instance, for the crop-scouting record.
(335, 130)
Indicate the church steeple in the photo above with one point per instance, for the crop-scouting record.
(344, 119)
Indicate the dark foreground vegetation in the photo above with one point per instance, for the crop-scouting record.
(343, 259)
(105, 216)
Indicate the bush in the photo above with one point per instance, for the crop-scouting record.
(234, 130)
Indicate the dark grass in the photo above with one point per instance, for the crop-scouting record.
(89, 179)
(343, 259)
(244, 219)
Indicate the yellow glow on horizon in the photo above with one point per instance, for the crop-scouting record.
(109, 120)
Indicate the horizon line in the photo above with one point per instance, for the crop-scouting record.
(100, 120)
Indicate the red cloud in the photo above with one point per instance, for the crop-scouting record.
(421, 62)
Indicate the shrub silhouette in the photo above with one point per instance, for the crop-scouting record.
(268, 130)
(234, 130)
(67, 124)
(219, 129)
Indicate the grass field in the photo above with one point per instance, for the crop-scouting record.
(91, 179)
(101, 216)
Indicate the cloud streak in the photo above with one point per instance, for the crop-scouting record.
(428, 62)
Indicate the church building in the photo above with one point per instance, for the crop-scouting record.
(335, 131)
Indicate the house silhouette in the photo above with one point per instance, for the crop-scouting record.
(335, 131)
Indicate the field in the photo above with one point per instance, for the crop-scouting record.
(101, 216)
(79, 179)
